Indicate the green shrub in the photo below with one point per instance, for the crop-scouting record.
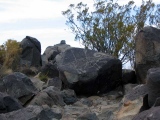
(43, 77)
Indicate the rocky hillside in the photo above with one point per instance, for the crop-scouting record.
(67, 83)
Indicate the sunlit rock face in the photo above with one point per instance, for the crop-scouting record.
(147, 51)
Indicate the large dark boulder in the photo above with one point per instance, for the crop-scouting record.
(89, 72)
(31, 52)
(33, 113)
(19, 86)
(8, 103)
(147, 51)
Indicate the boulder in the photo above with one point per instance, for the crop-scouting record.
(153, 85)
(147, 51)
(86, 101)
(69, 96)
(37, 83)
(72, 112)
(131, 103)
(50, 70)
(19, 86)
(107, 115)
(129, 109)
(8, 103)
(32, 113)
(151, 114)
(87, 116)
(128, 76)
(42, 98)
(129, 87)
(104, 108)
(89, 72)
(137, 92)
(31, 52)
(56, 82)
(49, 96)
(115, 94)
(51, 52)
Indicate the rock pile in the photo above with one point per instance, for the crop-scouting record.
(83, 84)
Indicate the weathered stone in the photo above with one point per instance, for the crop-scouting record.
(32, 113)
(42, 98)
(56, 82)
(50, 70)
(8, 103)
(19, 86)
(138, 91)
(49, 96)
(147, 51)
(104, 108)
(112, 95)
(129, 108)
(74, 112)
(87, 116)
(128, 76)
(55, 94)
(62, 46)
(108, 115)
(86, 101)
(145, 105)
(89, 72)
(153, 85)
(31, 52)
(51, 52)
(151, 114)
(69, 96)
(157, 102)
(129, 87)
(131, 103)
(37, 83)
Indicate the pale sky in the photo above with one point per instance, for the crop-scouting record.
(41, 19)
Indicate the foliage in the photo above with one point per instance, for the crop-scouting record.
(110, 27)
(10, 54)
(43, 77)
(157, 14)
(2, 54)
